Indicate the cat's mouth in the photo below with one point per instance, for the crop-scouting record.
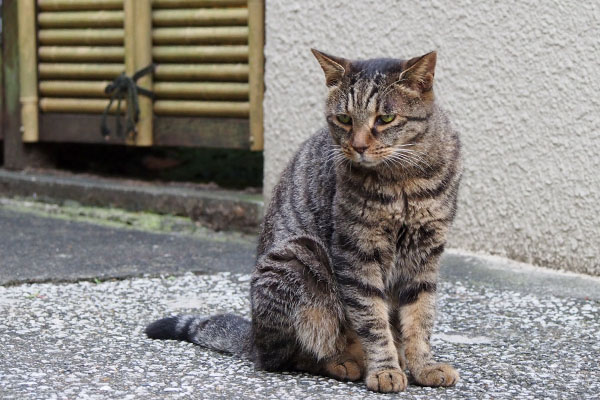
(364, 159)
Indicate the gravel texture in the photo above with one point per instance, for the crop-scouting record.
(85, 340)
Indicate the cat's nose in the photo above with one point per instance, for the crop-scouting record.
(360, 148)
(360, 140)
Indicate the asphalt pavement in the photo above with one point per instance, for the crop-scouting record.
(512, 330)
(43, 242)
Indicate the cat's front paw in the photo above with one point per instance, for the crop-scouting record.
(386, 381)
(437, 375)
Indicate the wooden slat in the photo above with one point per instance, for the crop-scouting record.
(73, 88)
(75, 5)
(200, 17)
(197, 3)
(81, 53)
(201, 35)
(231, 133)
(79, 71)
(28, 69)
(161, 107)
(162, 90)
(68, 105)
(200, 53)
(202, 72)
(201, 108)
(81, 19)
(201, 90)
(67, 37)
(256, 41)
(75, 128)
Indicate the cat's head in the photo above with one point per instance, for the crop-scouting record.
(377, 109)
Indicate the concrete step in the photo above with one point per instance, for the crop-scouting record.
(216, 208)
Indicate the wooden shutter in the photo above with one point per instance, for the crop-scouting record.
(203, 50)
(209, 68)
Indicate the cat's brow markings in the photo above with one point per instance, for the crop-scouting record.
(350, 99)
(372, 97)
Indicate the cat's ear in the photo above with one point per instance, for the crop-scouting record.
(333, 67)
(418, 73)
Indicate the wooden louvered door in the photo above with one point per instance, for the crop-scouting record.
(208, 78)
(81, 48)
(202, 52)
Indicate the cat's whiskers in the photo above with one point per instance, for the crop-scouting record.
(415, 155)
(419, 159)
(411, 153)
(333, 159)
(401, 155)
(400, 158)
(412, 156)
(345, 162)
(331, 155)
(403, 147)
(333, 152)
(388, 164)
(336, 157)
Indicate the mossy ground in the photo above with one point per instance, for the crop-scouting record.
(118, 218)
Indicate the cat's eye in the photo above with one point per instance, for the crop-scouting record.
(344, 118)
(386, 118)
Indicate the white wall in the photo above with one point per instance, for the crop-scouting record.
(521, 83)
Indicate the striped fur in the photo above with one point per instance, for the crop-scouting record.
(348, 257)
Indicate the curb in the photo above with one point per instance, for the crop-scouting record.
(217, 209)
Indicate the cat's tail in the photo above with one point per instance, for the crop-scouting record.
(226, 332)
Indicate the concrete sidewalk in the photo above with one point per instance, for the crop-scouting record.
(512, 330)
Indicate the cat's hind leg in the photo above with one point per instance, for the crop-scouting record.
(296, 307)
(350, 365)
(348, 370)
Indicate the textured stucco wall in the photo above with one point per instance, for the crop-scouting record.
(521, 82)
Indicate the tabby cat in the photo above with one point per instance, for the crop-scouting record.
(348, 257)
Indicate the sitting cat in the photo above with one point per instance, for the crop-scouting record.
(348, 258)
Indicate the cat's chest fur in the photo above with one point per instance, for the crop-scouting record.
(382, 205)
(380, 219)
(371, 216)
